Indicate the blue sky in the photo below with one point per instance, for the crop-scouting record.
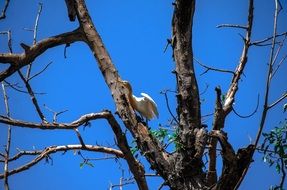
(135, 33)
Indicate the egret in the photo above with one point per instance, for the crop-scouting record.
(144, 105)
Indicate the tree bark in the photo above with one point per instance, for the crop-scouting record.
(187, 172)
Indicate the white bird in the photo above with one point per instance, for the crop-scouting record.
(145, 105)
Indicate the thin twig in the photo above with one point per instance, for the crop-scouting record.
(232, 26)
(65, 50)
(205, 90)
(7, 149)
(167, 105)
(33, 98)
(40, 72)
(212, 69)
(279, 64)
(55, 114)
(278, 51)
(282, 180)
(257, 43)
(3, 14)
(277, 101)
(247, 116)
(9, 39)
(168, 42)
(35, 31)
(23, 153)
(17, 88)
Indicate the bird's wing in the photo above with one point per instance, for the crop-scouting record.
(152, 102)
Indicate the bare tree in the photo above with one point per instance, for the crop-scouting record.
(181, 169)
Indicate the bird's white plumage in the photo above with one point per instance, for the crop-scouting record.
(146, 106)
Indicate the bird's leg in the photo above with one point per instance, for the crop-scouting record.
(139, 119)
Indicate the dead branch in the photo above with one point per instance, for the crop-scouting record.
(266, 95)
(250, 115)
(277, 101)
(79, 137)
(218, 124)
(205, 90)
(8, 144)
(135, 166)
(228, 152)
(35, 32)
(40, 72)
(150, 147)
(17, 61)
(23, 153)
(72, 13)
(212, 69)
(232, 26)
(9, 39)
(55, 113)
(278, 66)
(53, 149)
(260, 42)
(3, 14)
(50, 126)
(18, 88)
(243, 60)
(164, 92)
(33, 97)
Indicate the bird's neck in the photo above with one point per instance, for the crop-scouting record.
(131, 99)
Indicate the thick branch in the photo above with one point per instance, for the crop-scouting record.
(150, 147)
(217, 125)
(135, 166)
(53, 149)
(188, 163)
(17, 61)
(188, 94)
(72, 13)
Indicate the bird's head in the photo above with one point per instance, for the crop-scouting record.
(127, 85)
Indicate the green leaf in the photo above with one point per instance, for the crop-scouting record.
(82, 165)
(278, 168)
(89, 164)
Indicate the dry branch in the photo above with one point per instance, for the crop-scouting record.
(3, 14)
(53, 149)
(212, 69)
(229, 100)
(50, 126)
(17, 61)
(266, 95)
(8, 145)
(150, 147)
(32, 96)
